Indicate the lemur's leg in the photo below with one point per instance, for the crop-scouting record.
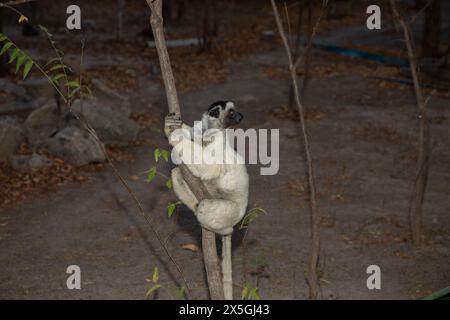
(217, 215)
(182, 190)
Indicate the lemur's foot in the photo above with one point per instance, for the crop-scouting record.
(172, 122)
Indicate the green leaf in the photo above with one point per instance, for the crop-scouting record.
(244, 293)
(14, 55)
(57, 77)
(165, 155)
(88, 90)
(171, 208)
(27, 68)
(151, 174)
(58, 66)
(72, 84)
(6, 46)
(20, 61)
(250, 217)
(169, 184)
(437, 295)
(157, 154)
(151, 290)
(74, 91)
(49, 62)
(155, 276)
(2, 37)
(253, 294)
(181, 294)
(42, 28)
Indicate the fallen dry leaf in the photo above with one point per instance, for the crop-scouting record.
(190, 246)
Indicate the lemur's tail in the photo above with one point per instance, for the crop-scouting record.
(227, 276)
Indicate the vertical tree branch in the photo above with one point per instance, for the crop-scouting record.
(423, 143)
(210, 257)
(315, 244)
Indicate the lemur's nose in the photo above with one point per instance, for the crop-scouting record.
(237, 116)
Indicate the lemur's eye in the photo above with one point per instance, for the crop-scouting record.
(231, 111)
(214, 112)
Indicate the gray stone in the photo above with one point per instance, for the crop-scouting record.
(39, 102)
(76, 146)
(16, 106)
(38, 88)
(110, 98)
(14, 120)
(112, 127)
(34, 161)
(12, 89)
(42, 123)
(10, 138)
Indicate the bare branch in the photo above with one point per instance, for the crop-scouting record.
(315, 246)
(312, 35)
(423, 145)
(14, 3)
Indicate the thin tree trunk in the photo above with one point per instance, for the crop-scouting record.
(297, 45)
(315, 237)
(307, 52)
(210, 257)
(423, 143)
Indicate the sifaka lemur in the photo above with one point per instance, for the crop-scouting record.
(227, 181)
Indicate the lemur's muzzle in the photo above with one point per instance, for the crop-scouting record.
(236, 117)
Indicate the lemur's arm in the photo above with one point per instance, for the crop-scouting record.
(191, 153)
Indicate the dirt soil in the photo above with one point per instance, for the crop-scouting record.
(363, 147)
(363, 140)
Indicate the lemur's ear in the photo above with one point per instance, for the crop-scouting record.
(214, 112)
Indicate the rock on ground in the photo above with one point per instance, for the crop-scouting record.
(38, 88)
(13, 89)
(42, 123)
(34, 161)
(113, 127)
(76, 146)
(10, 138)
(109, 97)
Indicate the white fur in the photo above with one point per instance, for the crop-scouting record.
(227, 183)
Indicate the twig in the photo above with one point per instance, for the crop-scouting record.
(210, 257)
(306, 54)
(413, 18)
(14, 3)
(315, 246)
(313, 33)
(423, 143)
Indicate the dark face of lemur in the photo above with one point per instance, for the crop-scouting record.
(221, 115)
